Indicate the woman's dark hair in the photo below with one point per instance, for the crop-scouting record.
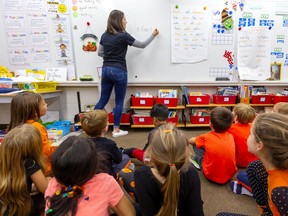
(114, 22)
(74, 162)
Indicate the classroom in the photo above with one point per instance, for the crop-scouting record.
(202, 55)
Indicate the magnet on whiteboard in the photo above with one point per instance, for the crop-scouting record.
(204, 8)
(176, 6)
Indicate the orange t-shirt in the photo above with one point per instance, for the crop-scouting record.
(219, 161)
(277, 179)
(47, 148)
(241, 133)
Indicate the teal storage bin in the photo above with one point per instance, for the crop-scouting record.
(60, 125)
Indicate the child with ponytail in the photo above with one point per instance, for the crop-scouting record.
(168, 185)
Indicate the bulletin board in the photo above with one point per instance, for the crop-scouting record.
(193, 44)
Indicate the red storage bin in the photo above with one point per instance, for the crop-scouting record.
(280, 98)
(199, 119)
(125, 118)
(261, 99)
(142, 101)
(142, 120)
(173, 119)
(169, 102)
(220, 99)
(201, 99)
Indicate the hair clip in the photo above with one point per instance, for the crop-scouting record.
(172, 164)
(167, 131)
(57, 192)
(49, 211)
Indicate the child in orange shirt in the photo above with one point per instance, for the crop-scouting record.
(215, 150)
(28, 107)
(244, 114)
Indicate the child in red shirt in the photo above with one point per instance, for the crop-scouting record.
(244, 114)
(215, 150)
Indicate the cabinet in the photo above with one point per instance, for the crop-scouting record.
(180, 108)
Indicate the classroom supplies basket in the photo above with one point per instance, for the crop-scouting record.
(38, 86)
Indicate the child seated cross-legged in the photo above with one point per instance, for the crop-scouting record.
(159, 114)
(215, 150)
(79, 188)
(95, 125)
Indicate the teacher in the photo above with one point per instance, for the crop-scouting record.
(113, 48)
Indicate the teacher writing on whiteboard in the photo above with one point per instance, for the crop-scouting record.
(113, 48)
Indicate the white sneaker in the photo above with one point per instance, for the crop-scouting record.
(120, 133)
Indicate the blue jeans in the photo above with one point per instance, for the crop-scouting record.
(117, 78)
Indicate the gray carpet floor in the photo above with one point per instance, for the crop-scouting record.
(216, 198)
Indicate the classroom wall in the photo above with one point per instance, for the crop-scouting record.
(200, 51)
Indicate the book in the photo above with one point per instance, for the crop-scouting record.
(186, 94)
(167, 93)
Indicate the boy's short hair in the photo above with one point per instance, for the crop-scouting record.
(244, 112)
(160, 112)
(94, 122)
(221, 119)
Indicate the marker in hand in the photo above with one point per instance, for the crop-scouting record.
(155, 32)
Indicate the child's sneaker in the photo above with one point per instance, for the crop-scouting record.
(196, 165)
(120, 133)
(236, 187)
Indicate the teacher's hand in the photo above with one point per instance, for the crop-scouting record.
(155, 32)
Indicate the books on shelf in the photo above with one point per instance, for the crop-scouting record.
(195, 94)
(167, 93)
(200, 112)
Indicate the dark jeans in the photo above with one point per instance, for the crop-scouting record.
(117, 78)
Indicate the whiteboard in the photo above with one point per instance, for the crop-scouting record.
(152, 64)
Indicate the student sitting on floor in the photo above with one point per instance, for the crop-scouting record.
(79, 188)
(215, 150)
(95, 125)
(269, 175)
(28, 107)
(159, 114)
(22, 164)
(244, 114)
(168, 184)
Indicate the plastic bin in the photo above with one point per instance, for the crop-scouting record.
(142, 101)
(173, 119)
(60, 125)
(280, 98)
(38, 86)
(220, 99)
(201, 99)
(6, 83)
(199, 119)
(142, 120)
(169, 102)
(261, 99)
(125, 118)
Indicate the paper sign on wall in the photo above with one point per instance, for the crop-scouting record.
(56, 74)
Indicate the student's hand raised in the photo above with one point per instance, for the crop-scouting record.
(155, 32)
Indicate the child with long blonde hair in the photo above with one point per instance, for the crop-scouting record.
(168, 185)
(21, 163)
(28, 107)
